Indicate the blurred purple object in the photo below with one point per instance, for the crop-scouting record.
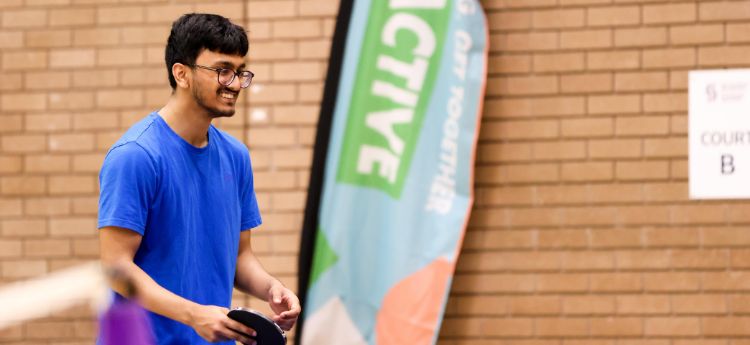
(125, 323)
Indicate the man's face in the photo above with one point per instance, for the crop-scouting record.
(218, 100)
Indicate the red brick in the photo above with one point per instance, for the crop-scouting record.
(699, 304)
(614, 104)
(563, 239)
(11, 39)
(618, 238)
(11, 164)
(532, 41)
(616, 282)
(478, 283)
(23, 185)
(509, 130)
(735, 32)
(710, 11)
(64, 58)
(596, 38)
(97, 37)
(556, 62)
(613, 60)
(317, 8)
(560, 195)
(499, 21)
(23, 268)
(46, 248)
(640, 37)
(561, 327)
(533, 85)
(618, 327)
(48, 38)
(613, 16)
(672, 282)
(71, 184)
(615, 148)
(562, 282)
(587, 127)
(24, 60)
(24, 18)
(643, 260)
(71, 142)
(519, 173)
(536, 106)
(72, 17)
(515, 63)
(641, 81)
(642, 125)
(586, 83)
(559, 150)
(642, 170)
(297, 28)
(11, 207)
(562, 18)
(588, 261)
(669, 13)
(696, 34)
(673, 326)
(726, 326)
(667, 147)
(672, 237)
(272, 9)
(670, 57)
(509, 152)
(682, 214)
(643, 304)
(722, 56)
(587, 171)
(46, 163)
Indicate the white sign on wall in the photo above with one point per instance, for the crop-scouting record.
(719, 134)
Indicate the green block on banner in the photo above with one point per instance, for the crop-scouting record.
(324, 256)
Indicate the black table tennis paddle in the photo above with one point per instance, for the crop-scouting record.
(267, 331)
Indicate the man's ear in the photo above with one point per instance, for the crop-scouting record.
(181, 75)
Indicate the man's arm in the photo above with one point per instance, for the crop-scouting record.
(118, 248)
(252, 278)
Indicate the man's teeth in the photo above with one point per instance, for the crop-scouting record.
(228, 95)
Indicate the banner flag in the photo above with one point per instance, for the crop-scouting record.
(391, 186)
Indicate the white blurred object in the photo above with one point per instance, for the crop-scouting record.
(40, 297)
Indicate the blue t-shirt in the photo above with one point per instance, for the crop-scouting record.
(189, 204)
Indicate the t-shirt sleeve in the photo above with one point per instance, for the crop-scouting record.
(250, 212)
(128, 184)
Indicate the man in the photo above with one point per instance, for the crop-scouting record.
(177, 196)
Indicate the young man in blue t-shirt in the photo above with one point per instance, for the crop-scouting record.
(177, 196)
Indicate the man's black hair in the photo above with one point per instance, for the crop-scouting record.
(194, 32)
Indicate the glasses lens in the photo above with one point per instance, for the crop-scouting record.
(226, 76)
(246, 77)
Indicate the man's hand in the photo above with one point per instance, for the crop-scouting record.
(212, 323)
(284, 304)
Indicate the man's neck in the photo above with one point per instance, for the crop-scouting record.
(189, 122)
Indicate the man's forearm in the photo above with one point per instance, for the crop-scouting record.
(252, 278)
(153, 296)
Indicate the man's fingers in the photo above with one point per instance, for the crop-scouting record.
(239, 327)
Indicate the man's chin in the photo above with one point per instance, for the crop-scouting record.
(224, 113)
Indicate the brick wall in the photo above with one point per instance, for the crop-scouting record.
(582, 232)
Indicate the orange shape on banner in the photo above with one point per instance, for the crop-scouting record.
(412, 308)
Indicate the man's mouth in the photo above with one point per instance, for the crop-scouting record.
(228, 95)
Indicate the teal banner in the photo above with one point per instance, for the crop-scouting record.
(397, 181)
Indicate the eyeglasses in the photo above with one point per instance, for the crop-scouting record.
(225, 76)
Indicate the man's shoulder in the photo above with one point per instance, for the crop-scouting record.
(142, 133)
(231, 143)
(137, 142)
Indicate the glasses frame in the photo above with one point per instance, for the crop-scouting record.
(235, 74)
